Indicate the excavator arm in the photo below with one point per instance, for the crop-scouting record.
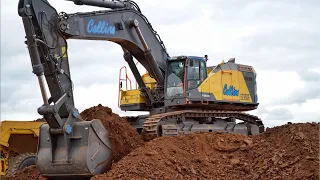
(67, 145)
(47, 33)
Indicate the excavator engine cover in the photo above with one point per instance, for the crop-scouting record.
(83, 150)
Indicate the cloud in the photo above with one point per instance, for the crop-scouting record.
(283, 49)
(279, 114)
(308, 91)
(291, 97)
(278, 38)
(310, 76)
(297, 113)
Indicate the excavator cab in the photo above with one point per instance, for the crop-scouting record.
(184, 74)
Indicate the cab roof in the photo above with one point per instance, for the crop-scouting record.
(173, 58)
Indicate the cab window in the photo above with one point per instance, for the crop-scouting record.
(175, 78)
(196, 73)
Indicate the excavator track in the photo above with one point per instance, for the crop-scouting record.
(151, 125)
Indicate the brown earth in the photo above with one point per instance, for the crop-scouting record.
(284, 152)
(123, 137)
(27, 173)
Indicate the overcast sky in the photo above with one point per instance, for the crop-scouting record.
(280, 39)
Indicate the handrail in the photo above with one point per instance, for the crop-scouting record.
(126, 79)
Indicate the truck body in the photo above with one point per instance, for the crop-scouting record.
(18, 145)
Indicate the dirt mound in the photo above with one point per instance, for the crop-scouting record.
(123, 137)
(202, 155)
(285, 152)
(27, 173)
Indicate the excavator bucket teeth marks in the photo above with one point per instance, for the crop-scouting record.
(152, 122)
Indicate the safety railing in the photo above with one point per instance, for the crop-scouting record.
(126, 79)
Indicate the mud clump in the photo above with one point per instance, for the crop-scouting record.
(123, 137)
(284, 152)
(27, 173)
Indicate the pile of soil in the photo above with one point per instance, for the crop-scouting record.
(123, 137)
(284, 152)
(190, 156)
(27, 173)
(290, 151)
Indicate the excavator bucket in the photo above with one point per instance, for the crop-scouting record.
(83, 150)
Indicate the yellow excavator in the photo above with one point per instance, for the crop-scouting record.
(180, 93)
(214, 108)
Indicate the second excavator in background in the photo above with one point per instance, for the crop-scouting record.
(179, 92)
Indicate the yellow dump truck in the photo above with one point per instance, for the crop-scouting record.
(18, 145)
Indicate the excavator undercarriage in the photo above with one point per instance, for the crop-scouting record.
(187, 121)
